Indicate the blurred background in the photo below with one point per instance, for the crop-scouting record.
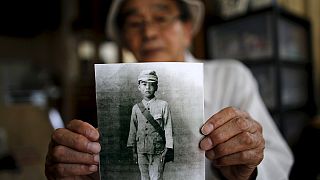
(48, 49)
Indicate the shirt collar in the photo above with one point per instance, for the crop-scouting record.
(148, 102)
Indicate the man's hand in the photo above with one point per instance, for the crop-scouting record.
(73, 152)
(234, 142)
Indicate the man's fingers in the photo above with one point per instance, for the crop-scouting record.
(75, 141)
(234, 142)
(221, 118)
(84, 128)
(227, 131)
(242, 142)
(65, 170)
(66, 155)
(251, 157)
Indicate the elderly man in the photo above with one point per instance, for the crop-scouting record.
(234, 143)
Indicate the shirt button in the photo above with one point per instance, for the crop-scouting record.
(147, 121)
(146, 128)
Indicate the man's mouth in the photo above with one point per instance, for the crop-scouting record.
(151, 51)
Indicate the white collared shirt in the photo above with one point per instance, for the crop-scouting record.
(230, 83)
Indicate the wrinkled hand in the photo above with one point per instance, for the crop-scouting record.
(234, 142)
(73, 152)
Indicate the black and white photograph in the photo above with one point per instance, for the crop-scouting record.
(149, 119)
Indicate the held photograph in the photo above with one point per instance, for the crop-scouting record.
(149, 119)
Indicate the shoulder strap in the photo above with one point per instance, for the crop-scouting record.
(153, 122)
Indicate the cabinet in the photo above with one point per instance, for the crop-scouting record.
(276, 46)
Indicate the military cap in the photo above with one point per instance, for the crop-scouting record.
(148, 76)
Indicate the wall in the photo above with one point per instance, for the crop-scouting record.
(27, 142)
(313, 13)
(309, 9)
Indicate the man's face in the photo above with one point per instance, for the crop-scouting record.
(153, 31)
(147, 89)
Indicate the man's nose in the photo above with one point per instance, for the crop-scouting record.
(150, 30)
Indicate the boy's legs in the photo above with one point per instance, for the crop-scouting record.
(143, 161)
(156, 167)
(151, 166)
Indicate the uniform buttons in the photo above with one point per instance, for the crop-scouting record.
(146, 128)
(147, 121)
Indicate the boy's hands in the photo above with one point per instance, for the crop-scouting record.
(73, 152)
(234, 142)
(135, 157)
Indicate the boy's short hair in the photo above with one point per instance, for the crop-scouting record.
(154, 83)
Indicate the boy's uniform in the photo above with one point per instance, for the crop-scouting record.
(146, 139)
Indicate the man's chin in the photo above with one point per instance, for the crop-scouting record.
(157, 58)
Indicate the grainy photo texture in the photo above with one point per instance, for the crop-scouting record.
(149, 118)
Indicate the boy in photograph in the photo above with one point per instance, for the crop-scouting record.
(150, 134)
